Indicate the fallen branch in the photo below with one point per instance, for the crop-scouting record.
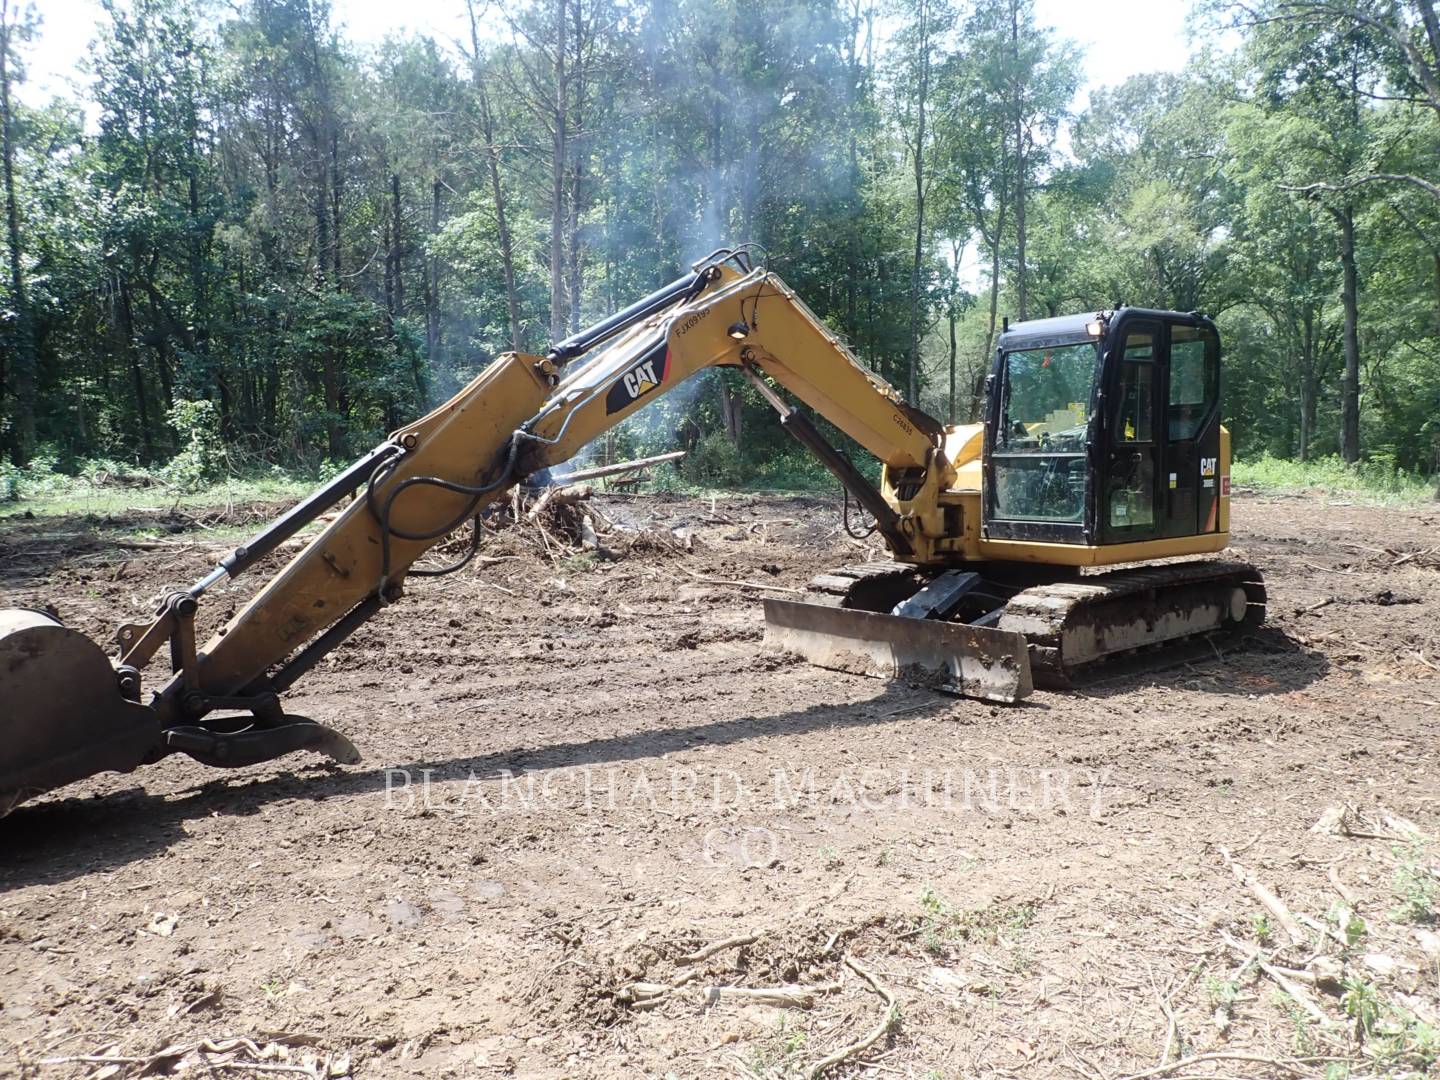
(785, 997)
(1271, 902)
(647, 995)
(1327, 569)
(1340, 887)
(759, 585)
(1219, 1055)
(880, 1030)
(1281, 979)
(1403, 559)
(719, 946)
(557, 496)
(620, 467)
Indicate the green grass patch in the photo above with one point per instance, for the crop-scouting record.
(105, 489)
(107, 502)
(1367, 481)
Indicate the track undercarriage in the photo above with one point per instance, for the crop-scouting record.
(994, 632)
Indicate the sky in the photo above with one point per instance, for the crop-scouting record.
(1120, 38)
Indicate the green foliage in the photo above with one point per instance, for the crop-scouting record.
(1417, 887)
(1350, 925)
(1361, 1002)
(781, 1052)
(1223, 992)
(716, 462)
(245, 212)
(942, 924)
(201, 459)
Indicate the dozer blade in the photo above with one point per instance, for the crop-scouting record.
(972, 661)
(61, 714)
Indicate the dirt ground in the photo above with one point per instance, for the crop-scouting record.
(578, 774)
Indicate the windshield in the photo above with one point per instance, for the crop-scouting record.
(1045, 402)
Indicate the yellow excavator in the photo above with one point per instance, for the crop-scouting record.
(1101, 445)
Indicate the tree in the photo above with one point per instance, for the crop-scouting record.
(1324, 76)
(16, 27)
(919, 40)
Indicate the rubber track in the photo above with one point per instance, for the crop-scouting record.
(1044, 613)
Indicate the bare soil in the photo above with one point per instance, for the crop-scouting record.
(579, 772)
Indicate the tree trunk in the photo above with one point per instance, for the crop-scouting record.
(1309, 385)
(397, 250)
(994, 308)
(125, 319)
(953, 312)
(334, 403)
(24, 365)
(1309, 392)
(558, 161)
(432, 281)
(1019, 119)
(497, 189)
(913, 382)
(1435, 262)
(336, 187)
(950, 412)
(1349, 298)
(730, 409)
(574, 268)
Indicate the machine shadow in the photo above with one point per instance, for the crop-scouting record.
(1265, 662)
(53, 842)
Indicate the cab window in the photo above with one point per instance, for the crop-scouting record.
(1194, 379)
(1137, 401)
(1046, 399)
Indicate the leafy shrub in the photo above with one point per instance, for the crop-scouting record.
(202, 453)
(794, 472)
(716, 462)
(41, 477)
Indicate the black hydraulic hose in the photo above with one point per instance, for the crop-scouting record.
(475, 492)
(460, 563)
(845, 517)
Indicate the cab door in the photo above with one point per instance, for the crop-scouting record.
(1192, 437)
(1131, 506)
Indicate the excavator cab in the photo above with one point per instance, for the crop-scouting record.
(1104, 429)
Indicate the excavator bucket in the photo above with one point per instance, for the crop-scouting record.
(971, 661)
(61, 714)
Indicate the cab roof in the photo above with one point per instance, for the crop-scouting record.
(1070, 328)
(1050, 331)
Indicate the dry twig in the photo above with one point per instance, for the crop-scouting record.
(880, 1030)
(719, 946)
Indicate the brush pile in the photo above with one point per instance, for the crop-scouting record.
(561, 523)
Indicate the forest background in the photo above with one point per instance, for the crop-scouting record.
(249, 245)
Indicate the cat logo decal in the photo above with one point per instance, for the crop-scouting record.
(645, 376)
